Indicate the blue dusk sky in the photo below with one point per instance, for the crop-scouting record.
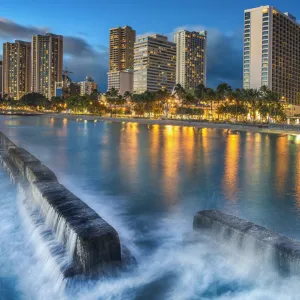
(85, 26)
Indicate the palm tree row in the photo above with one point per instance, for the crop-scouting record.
(220, 103)
(227, 102)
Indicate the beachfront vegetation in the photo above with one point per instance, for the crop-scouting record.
(222, 103)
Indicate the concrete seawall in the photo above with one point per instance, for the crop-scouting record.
(92, 244)
(283, 253)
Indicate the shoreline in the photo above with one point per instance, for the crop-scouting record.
(274, 129)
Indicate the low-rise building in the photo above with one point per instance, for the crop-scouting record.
(87, 86)
(121, 81)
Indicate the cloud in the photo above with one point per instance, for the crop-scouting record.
(10, 29)
(79, 56)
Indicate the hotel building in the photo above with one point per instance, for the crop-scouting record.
(121, 55)
(16, 69)
(154, 64)
(47, 63)
(190, 58)
(272, 52)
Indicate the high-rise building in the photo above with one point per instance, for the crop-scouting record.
(121, 47)
(16, 69)
(87, 86)
(121, 55)
(190, 58)
(47, 63)
(154, 64)
(272, 52)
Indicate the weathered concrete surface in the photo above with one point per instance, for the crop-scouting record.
(6, 143)
(96, 241)
(39, 172)
(285, 252)
(21, 158)
(92, 243)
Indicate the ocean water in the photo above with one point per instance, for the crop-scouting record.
(148, 182)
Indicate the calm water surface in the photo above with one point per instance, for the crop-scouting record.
(148, 182)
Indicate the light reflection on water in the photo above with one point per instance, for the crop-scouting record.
(149, 181)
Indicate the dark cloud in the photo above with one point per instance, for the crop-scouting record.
(80, 57)
(224, 59)
(78, 47)
(11, 30)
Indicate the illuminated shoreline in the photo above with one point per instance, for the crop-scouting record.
(271, 128)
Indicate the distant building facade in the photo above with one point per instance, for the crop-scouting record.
(154, 64)
(190, 58)
(87, 86)
(121, 81)
(16, 69)
(66, 88)
(272, 52)
(121, 58)
(1, 93)
(47, 63)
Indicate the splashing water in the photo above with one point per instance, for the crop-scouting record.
(183, 266)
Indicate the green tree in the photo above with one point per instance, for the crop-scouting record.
(34, 100)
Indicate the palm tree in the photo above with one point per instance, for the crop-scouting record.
(112, 97)
(210, 96)
(223, 92)
(179, 92)
(189, 99)
(127, 96)
(237, 96)
(252, 96)
(200, 91)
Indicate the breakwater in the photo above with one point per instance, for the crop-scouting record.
(91, 244)
(281, 252)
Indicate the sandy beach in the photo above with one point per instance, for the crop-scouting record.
(271, 128)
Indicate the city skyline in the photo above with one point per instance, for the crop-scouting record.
(86, 50)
